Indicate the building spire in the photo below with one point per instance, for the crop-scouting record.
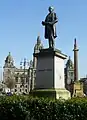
(9, 53)
(38, 34)
(69, 58)
(38, 39)
(75, 44)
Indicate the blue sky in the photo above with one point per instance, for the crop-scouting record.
(20, 24)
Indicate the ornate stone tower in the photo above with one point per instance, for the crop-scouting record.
(32, 69)
(37, 48)
(9, 62)
(69, 74)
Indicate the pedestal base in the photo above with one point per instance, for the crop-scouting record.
(50, 69)
(50, 75)
(51, 93)
(78, 89)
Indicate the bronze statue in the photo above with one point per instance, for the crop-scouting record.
(50, 28)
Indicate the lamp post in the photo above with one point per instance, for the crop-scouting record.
(24, 63)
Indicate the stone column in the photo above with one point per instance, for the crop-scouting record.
(34, 61)
(75, 61)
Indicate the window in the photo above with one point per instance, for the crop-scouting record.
(25, 90)
(26, 86)
(20, 86)
(15, 86)
(20, 90)
(15, 90)
(71, 73)
(22, 79)
(71, 80)
(16, 79)
(26, 80)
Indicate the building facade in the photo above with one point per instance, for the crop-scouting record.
(20, 80)
(25, 77)
(69, 75)
(11, 74)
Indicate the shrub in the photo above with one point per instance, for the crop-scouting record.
(26, 108)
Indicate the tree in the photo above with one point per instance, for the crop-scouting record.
(10, 81)
(1, 88)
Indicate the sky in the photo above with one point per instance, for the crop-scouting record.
(20, 24)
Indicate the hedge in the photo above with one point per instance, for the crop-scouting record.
(29, 108)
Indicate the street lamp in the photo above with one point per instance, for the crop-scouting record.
(24, 63)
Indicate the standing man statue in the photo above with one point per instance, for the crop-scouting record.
(50, 27)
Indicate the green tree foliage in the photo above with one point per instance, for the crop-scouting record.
(28, 108)
(10, 80)
(1, 88)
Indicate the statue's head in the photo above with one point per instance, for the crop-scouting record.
(51, 9)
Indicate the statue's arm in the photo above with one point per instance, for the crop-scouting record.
(46, 21)
(43, 23)
(54, 22)
(50, 23)
(55, 19)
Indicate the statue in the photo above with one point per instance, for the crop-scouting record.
(50, 28)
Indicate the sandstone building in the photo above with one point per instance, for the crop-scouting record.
(24, 77)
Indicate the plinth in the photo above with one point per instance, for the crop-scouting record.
(50, 74)
(78, 89)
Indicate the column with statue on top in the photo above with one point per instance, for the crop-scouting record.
(77, 85)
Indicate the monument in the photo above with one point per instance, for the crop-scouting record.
(50, 64)
(50, 27)
(78, 85)
(75, 61)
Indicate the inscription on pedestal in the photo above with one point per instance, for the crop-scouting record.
(44, 70)
(44, 73)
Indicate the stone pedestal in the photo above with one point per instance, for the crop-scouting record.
(78, 89)
(50, 74)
